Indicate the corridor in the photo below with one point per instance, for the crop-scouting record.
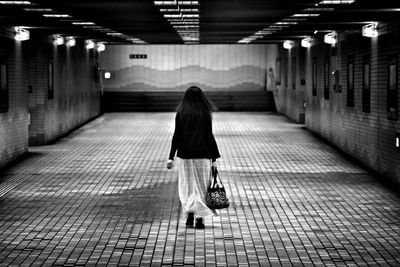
(103, 196)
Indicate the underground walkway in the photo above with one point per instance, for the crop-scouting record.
(103, 196)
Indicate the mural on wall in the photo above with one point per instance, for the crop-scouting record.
(176, 67)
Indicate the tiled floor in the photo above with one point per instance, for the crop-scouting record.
(103, 196)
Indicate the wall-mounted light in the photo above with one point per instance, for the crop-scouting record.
(89, 44)
(288, 44)
(100, 47)
(370, 30)
(70, 41)
(397, 142)
(331, 38)
(107, 75)
(21, 34)
(58, 40)
(306, 42)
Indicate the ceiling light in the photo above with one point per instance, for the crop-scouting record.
(306, 15)
(164, 3)
(70, 41)
(319, 9)
(190, 15)
(89, 44)
(172, 15)
(33, 9)
(15, 3)
(58, 40)
(370, 30)
(286, 23)
(21, 34)
(336, 2)
(83, 23)
(330, 38)
(193, 3)
(169, 10)
(100, 47)
(306, 42)
(114, 33)
(56, 15)
(288, 44)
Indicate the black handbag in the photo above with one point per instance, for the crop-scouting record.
(216, 195)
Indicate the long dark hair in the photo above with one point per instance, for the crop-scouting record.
(195, 105)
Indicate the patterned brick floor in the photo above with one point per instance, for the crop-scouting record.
(102, 196)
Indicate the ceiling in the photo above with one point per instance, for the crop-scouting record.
(219, 21)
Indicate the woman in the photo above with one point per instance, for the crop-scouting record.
(196, 146)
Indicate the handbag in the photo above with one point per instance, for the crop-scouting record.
(216, 195)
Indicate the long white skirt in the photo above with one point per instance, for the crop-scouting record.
(193, 181)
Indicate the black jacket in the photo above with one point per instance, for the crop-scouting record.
(195, 140)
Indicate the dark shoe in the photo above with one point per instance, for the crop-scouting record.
(190, 219)
(199, 223)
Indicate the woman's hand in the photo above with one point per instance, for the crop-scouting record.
(170, 164)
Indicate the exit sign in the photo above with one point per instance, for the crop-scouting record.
(134, 56)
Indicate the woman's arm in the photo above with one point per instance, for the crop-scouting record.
(176, 138)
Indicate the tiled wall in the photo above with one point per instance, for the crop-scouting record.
(176, 67)
(290, 84)
(76, 91)
(32, 117)
(14, 123)
(367, 136)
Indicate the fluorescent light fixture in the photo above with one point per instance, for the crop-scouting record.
(306, 42)
(21, 34)
(288, 44)
(33, 9)
(164, 3)
(58, 40)
(189, 10)
(114, 33)
(286, 23)
(100, 47)
(70, 41)
(169, 10)
(56, 16)
(190, 15)
(336, 2)
(172, 15)
(190, 3)
(306, 15)
(83, 23)
(319, 9)
(330, 38)
(89, 44)
(15, 3)
(370, 30)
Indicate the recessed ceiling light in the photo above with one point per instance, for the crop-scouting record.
(15, 3)
(319, 9)
(193, 3)
(306, 15)
(56, 16)
(336, 2)
(164, 3)
(83, 23)
(33, 9)
(172, 15)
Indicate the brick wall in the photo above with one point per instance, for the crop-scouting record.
(76, 91)
(367, 136)
(14, 123)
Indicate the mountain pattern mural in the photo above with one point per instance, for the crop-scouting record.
(176, 67)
